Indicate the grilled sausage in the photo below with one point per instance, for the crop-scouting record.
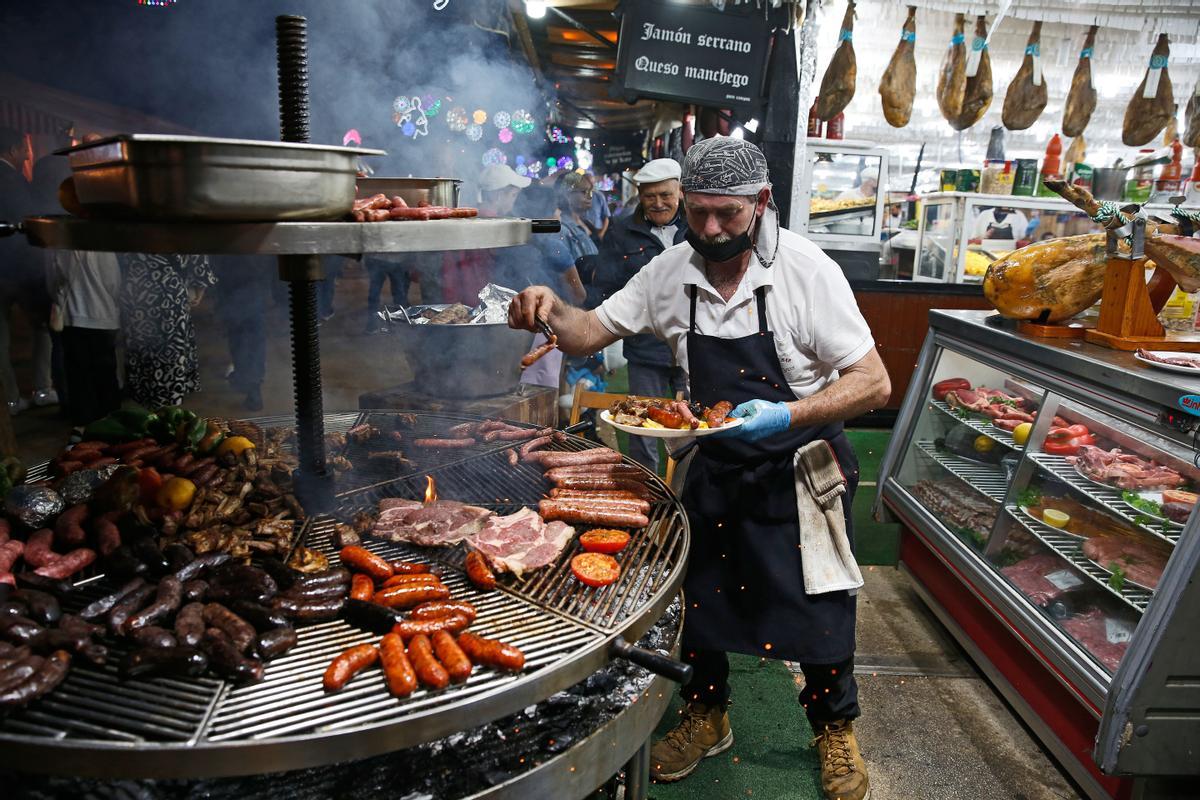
(408, 567)
(441, 608)
(491, 652)
(38, 551)
(425, 663)
(408, 628)
(369, 616)
(667, 417)
(240, 582)
(129, 447)
(20, 629)
(360, 559)
(516, 434)
(478, 571)
(457, 665)
(262, 618)
(56, 587)
(419, 579)
(715, 416)
(566, 511)
(194, 590)
(348, 664)
(362, 587)
(397, 670)
(309, 610)
(603, 484)
(167, 599)
(596, 455)
(128, 606)
(633, 505)
(176, 660)
(305, 592)
(68, 529)
(75, 624)
(98, 608)
(533, 355)
(202, 562)
(338, 576)
(20, 670)
(108, 535)
(240, 632)
(276, 642)
(150, 555)
(593, 494)
(225, 659)
(43, 606)
(409, 595)
(49, 675)
(189, 624)
(627, 471)
(533, 444)
(153, 636)
(178, 556)
(444, 444)
(10, 551)
(513, 458)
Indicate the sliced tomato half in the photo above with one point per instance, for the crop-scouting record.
(604, 540)
(595, 569)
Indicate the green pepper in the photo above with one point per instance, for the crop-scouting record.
(12, 469)
(136, 420)
(109, 429)
(193, 432)
(212, 438)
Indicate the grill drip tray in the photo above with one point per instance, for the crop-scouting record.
(95, 725)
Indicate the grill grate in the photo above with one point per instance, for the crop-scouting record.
(560, 625)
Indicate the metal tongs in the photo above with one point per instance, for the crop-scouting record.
(545, 328)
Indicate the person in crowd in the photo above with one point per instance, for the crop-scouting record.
(757, 316)
(598, 215)
(162, 365)
(868, 185)
(575, 203)
(632, 242)
(48, 175)
(465, 272)
(244, 294)
(383, 268)
(999, 223)
(86, 289)
(23, 282)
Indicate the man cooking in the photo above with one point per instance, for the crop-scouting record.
(760, 317)
(632, 241)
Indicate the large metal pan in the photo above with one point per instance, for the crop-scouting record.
(153, 177)
(414, 191)
(464, 361)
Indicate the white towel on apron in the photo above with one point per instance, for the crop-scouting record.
(827, 559)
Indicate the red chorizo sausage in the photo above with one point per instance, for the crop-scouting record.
(68, 529)
(425, 664)
(360, 559)
(478, 571)
(536, 353)
(67, 565)
(408, 567)
(715, 416)
(415, 579)
(348, 664)
(38, 552)
(108, 535)
(457, 665)
(564, 511)
(408, 628)
(491, 652)
(362, 587)
(397, 670)
(10, 551)
(596, 455)
(441, 608)
(409, 595)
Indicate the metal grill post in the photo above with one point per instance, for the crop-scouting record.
(314, 486)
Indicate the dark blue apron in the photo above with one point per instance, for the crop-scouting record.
(744, 586)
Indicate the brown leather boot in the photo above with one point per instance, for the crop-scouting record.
(843, 771)
(703, 731)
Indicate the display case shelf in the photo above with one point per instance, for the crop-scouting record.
(986, 428)
(989, 481)
(1068, 547)
(1058, 467)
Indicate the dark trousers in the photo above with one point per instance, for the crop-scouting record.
(830, 692)
(90, 363)
(652, 381)
(380, 271)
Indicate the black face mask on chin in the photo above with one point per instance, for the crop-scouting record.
(725, 251)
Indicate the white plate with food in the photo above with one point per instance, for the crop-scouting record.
(1151, 504)
(1062, 528)
(1187, 364)
(654, 430)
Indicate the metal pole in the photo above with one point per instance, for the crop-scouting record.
(314, 486)
(637, 773)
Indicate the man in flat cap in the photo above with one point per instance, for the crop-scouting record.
(632, 241)
(760, 317)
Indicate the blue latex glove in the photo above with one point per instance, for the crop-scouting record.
(763, 419)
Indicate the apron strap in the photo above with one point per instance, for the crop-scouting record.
(761, 295)
(692, 316)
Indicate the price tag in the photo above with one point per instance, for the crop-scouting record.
(1087, 53)
(1157, 65)
(1117, 631)
(1035, 50)
(978, 45)
(1065, 580)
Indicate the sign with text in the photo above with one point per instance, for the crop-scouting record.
(618, 154)
(693, 54)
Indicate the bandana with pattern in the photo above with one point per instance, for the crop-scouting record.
(728, 166)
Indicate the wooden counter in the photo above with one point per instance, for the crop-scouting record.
(898, 314)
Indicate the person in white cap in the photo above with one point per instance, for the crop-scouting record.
(634, 239)
(464, 273)
(868, 185)
(761, 319)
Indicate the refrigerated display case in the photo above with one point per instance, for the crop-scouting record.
(1047, 493)
(837, 211)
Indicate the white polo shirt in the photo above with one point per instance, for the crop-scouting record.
(811, 310)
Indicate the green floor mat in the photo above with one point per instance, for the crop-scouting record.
(770, 757)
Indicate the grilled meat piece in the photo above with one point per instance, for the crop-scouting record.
(361, 434)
